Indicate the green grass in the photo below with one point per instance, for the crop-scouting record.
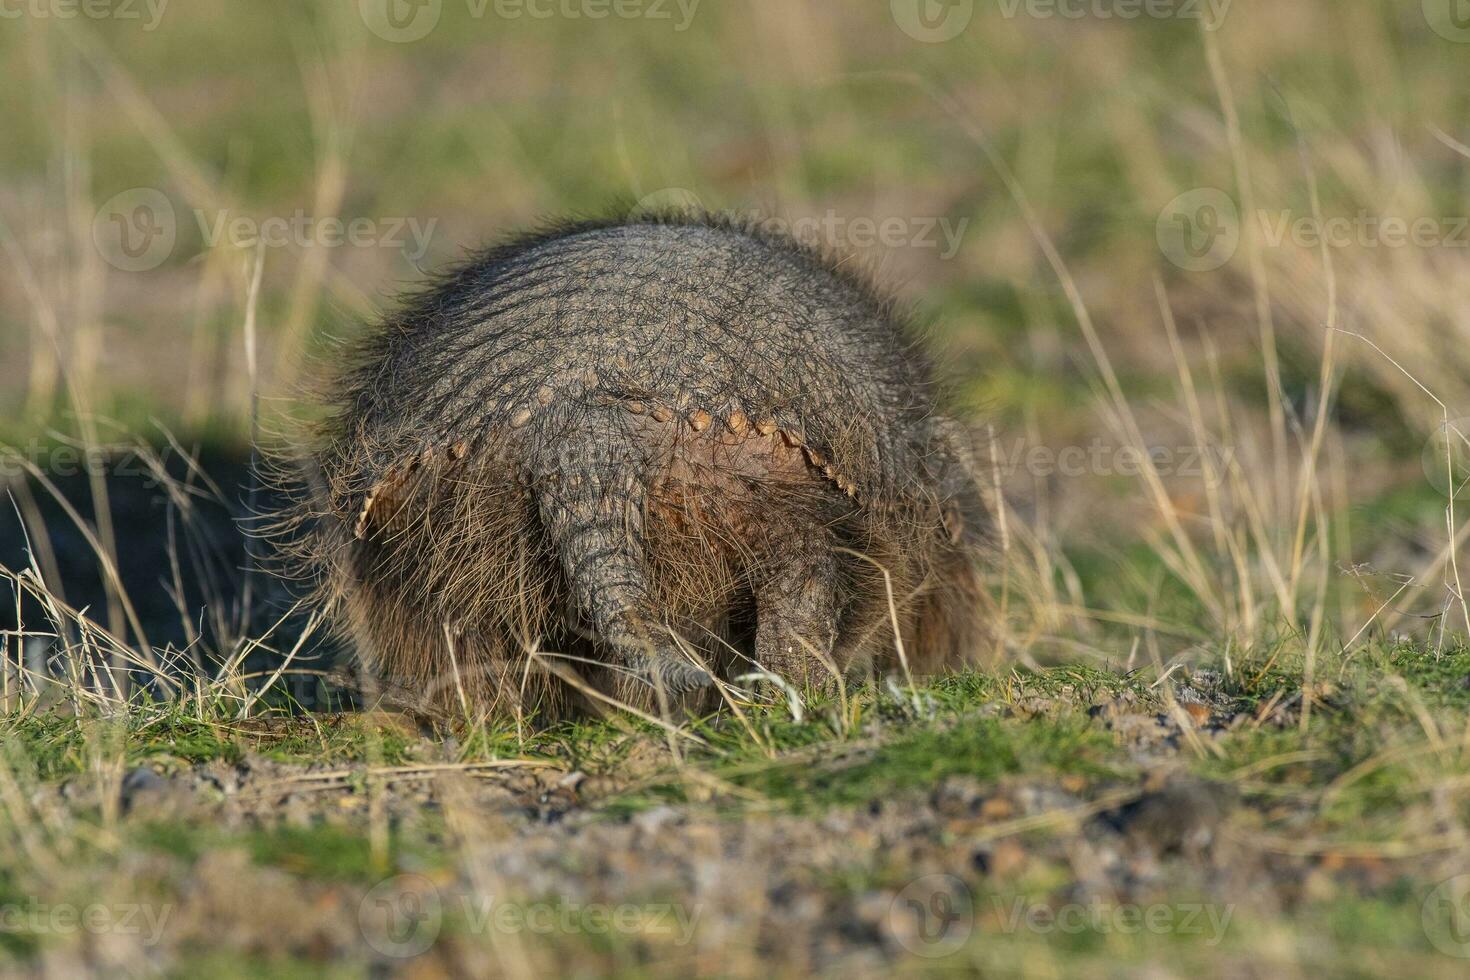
(1345, 783)
(58, 745)
(809, 767)
(982, 748)
(320, 852)
(987, 726)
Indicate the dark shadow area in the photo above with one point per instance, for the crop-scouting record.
(189, 577)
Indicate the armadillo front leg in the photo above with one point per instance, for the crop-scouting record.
(796, 617)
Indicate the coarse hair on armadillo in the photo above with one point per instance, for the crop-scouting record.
(670, 429)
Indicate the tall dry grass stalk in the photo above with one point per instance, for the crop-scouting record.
(1264, 554)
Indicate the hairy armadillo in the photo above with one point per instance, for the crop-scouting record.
(622, 458)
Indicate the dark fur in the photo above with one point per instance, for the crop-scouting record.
(634, 445)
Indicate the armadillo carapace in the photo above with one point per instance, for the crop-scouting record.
(628, 455)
